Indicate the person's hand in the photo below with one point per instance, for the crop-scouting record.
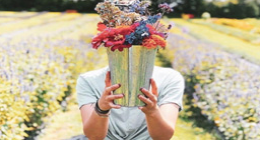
(150, 100)
(106, 102)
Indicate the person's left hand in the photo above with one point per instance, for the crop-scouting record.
(150, 100)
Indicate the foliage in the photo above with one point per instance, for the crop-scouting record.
(48, 5)
(239, 9)
(226, 9)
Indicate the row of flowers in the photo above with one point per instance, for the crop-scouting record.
(246, 24)
(39, 68)
(223, 86)
(236, 32)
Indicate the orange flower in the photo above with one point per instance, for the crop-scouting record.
(154, 41)
(159, 41)
(149, 43)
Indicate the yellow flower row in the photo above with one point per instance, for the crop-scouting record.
(40, 59)
(240, 24)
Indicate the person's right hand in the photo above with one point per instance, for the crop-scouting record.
(106, 102)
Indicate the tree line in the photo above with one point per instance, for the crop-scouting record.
(231, 8)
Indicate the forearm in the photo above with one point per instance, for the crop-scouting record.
(158, 128)
(95, 128)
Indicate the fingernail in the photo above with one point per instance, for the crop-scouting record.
(141, 89)
(119, 85)
(123, 95)
(139, 95)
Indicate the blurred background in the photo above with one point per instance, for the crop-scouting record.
(45, 45)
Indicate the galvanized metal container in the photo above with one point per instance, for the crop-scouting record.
(132, 68)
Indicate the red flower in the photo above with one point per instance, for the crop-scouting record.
(120, 47)
(100, 38)
(113, 37)
(101, 26)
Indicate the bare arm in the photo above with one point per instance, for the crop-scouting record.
(94, 126)
(160, 120)
(161, 124)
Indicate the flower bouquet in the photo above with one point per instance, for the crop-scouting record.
(132, 36)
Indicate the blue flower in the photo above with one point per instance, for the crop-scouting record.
(136, 38)
(153, 19)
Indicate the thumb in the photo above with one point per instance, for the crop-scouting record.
(108, 79)
(154, 87)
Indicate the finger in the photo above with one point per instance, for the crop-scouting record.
(145, 100)
(154, 87)
(114, 106)
(151, 96)
(108, 90)
(114, 97)
(108, 80)
(141, 108)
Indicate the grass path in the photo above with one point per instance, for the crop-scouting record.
(229, 43)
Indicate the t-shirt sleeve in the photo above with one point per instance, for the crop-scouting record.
(173, 90)
(85, 94)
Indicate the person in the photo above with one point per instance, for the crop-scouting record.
(103, 119)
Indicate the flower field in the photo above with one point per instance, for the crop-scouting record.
(40, 59)
(42, 54)
(225, 87)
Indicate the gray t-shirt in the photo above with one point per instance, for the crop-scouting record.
(128, 123)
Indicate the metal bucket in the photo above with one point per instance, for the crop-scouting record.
(132, 68)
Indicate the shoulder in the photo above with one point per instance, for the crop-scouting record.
(95, 74)
(167, 73)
